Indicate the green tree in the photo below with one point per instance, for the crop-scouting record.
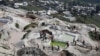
(17, 25)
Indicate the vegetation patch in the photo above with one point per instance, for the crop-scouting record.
(30, 8)
(24, 36)
(57, 43)
(60, 16)
(94, 35)
(33, 25)
(88, 20)
(17, 25)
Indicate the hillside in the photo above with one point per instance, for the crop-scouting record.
(86, 1)
(90, 1)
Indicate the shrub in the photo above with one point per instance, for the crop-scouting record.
(17, 25)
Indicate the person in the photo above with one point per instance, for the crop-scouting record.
(58, 47)
(83, 42)
(23, 45)
(96, 48)
(75, 43)
(67, 44)
(41, 33)
(37, 45)
(43, 47)
(52, 48)
(91, 48)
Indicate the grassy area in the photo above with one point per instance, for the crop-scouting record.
(57, 43)
(95, 20)
(84, 1)
(30, 8)
(92, 21)
(90, 1)
(60, 16)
